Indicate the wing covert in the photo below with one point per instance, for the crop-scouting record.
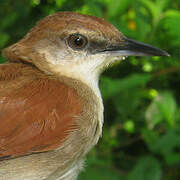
(36, 114)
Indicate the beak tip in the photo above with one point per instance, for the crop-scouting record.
(161, 52)
(167, 54)
(164, 53)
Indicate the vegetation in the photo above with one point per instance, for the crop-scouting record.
(141, 139)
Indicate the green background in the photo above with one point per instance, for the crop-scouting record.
(141, 137)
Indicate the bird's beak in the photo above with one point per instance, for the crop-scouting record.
(131, 47)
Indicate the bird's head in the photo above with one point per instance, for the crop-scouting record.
(76, 45)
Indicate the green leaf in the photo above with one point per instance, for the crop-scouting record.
(59, 3)
(172, 159)
(172, 13)
(2, 59)
(116, 7)
(147, 168)
(4, 39)
(167, 107)
(151, 138)
(99, 169)
(9, 20)
(172, 26)
(163, 107)
(164, 144)
(156, 8)
(111, 87)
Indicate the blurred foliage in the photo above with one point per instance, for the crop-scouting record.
(141, 139)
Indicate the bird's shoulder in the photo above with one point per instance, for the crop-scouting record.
(37, 112)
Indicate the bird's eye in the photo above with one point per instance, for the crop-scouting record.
(77, 41)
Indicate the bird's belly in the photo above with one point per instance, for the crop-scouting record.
(43, 166)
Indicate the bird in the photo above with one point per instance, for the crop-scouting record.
(51, 109)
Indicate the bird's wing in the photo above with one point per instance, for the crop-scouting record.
(36, 114)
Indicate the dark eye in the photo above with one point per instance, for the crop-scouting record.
(77, 41)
